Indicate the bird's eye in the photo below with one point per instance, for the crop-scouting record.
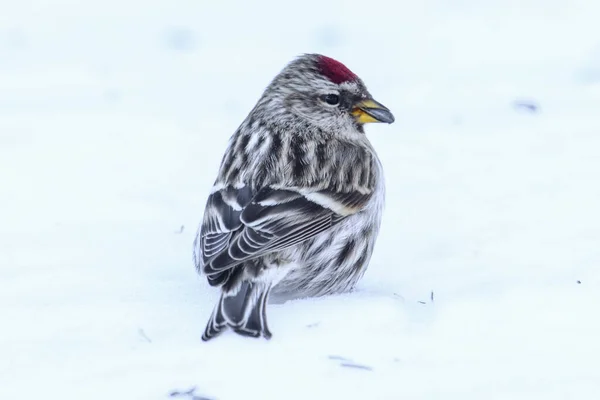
(331, 99)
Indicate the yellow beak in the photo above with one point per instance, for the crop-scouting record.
(369, 110)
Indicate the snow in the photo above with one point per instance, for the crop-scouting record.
(485, 281)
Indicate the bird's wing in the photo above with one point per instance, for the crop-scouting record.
(221, 221)
(274, 219)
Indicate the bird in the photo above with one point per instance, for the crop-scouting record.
(297, 203)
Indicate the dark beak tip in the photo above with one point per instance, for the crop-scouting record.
(381, 114)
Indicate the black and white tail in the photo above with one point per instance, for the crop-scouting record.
(243, 311)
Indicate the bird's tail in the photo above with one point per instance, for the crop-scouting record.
(244, 311)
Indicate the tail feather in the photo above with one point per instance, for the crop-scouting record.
(244, 311)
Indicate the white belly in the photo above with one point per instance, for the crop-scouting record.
(335, 260)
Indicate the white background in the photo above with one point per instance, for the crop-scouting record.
(113, 119)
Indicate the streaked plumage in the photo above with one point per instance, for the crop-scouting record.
(297, 203)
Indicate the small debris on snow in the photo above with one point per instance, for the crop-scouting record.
(357, 366)
(180, 231)
(314, 324)
(144, 336)
(189, 394)
(349, 363)
(398, 296)
(526, 105)
(578, 282)
(338, 358)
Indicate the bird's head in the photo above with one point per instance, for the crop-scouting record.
(320, 91)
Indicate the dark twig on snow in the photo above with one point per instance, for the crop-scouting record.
(337, 358)
(190, 393)
(144, 336)
(357, 366)
(346, 363)
(526, 105)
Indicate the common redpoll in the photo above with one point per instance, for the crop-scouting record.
(297, 203)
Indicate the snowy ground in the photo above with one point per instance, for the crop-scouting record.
(114, 116)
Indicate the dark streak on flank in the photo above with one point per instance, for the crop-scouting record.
(321, 154)
(346, 251)
(243, 147)
(298, 158)
(276, 146)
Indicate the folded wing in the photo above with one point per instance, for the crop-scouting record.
(239, 226)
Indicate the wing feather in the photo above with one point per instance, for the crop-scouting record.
(239, 226)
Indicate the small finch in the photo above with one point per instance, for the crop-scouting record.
(296, 207)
